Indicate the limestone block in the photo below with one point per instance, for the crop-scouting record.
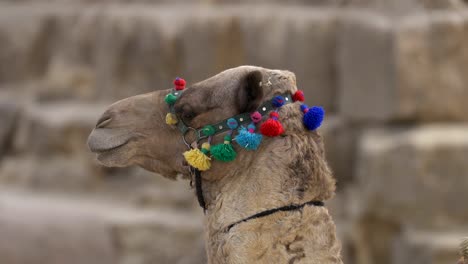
(124, 50)
(83, 176)
(51, 173)
(365, 66)
(301, 40)
(415, 175)
(428, 247)
(24, 44)
(432, 78)
(55, 229)
(413, 68)
(167, 238)
(340, 145)
(8, 118)
(51, 231)
(57, 128)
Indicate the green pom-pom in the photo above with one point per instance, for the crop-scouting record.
(208, 130)
(224, 152)
(170, 99)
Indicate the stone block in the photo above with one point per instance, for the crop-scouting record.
(432, 77)
(84, 177)
(167, 238)
(408, 69)
(428, 247)
(301, 40)
(365, 66)
(340, 146)
(54, 229)
(8, 117)
(415, 175)
(57, 128)
(88, 53)
(47, 230)
(25, 44)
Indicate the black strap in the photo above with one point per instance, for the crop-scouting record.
(291, 207)
(199, 190)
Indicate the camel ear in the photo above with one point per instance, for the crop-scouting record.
(250, 93)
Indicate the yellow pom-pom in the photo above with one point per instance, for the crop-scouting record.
(171, 119)
(197, 159)
(206, 146)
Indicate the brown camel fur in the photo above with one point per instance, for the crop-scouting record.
(285, 170)
(464, 251)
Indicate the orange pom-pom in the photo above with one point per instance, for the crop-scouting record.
(272, 127)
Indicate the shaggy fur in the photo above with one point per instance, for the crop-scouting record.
(290, 169)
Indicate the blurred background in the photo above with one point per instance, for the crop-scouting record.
(392, 75)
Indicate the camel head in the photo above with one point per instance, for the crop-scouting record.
(133, 131)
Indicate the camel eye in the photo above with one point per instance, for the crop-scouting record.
(188, 115)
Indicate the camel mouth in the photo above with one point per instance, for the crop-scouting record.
(100, 151)
(106, 141)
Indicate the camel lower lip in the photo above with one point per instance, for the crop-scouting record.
(109, 150)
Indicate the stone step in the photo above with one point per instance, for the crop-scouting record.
(59, 128)
(407, 177)
(413, 68)
(9, 113)
(396, 6)
(415, 175)
(55, 230)
(132, 186)
(428, 247)
(114, 51)
(340, 139)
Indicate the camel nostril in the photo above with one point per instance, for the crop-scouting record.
(103, 121)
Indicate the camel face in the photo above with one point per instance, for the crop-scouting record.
(133, 131)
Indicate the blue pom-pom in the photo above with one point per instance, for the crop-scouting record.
(304, 107)
(277, 101)
(232, 123)
(248, 140)
(314, 117)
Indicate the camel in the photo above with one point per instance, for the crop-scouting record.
(464, 251)
(285, 171)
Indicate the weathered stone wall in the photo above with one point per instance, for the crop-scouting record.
(392, 76)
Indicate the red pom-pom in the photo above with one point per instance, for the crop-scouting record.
(179, 84)
(272, 127)
(298, 96)
(274, 115)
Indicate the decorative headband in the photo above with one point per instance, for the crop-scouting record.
(244, 124)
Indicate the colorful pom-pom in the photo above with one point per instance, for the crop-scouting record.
(208, 130)
(313, 117)
(170, 99)
(298, 96)
(171, 119)
(256, 117)
(198, 159)
(179, 84)
(277, 101)
(248, 139)
(272, 127)
(205, 148)
(232, 123)
(224, 152)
